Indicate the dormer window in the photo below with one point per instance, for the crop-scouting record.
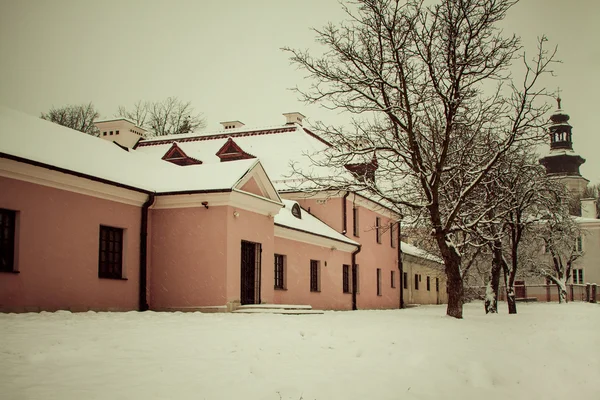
(296, 211)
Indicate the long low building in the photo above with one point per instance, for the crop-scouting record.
(189, 222)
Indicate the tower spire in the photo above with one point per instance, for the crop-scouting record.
(558, 99)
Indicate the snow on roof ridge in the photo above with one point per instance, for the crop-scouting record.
(218, 133)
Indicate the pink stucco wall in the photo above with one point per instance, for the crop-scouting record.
(188, 257)
(252, 187)
(57, 251)
(373, 255)
(298, 256)
(196, 255)
(251, 227)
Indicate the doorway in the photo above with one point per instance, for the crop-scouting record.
(250, 273)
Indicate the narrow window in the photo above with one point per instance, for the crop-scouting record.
(581, 276)
(111, 132)
(392, 240)
(437, 284)
(314, 276)
(355, 221)
(378, 229)
(416, 282)
(116, 132)
(7, 240)
(378, 281)
(103, 133)
(405, 280)
(393, 279)
(110, 258)
(428, 284)
(346, 278)
(279, 271)
(579, 244)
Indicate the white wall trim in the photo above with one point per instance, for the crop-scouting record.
(59, 180)
(236, 198)
(298, 236)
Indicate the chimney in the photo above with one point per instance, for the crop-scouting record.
(232, 124)
(120, 130)
(293, 118)
(588, 208)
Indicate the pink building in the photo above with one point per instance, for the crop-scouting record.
(189, 222)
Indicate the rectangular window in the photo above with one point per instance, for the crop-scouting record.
(405, 280)
(392, 239)
(314, 276)
(116, 132)
(578, 276)
(579, 244)
(279, 271)
(356, 280)
(355, 221)
(393, 278)
(416, 282)
(378, 229)
(428, 284)
(581, 276)
(7, 240)
(437, 284)
(378, 281)
(346, 278)
(110, 258)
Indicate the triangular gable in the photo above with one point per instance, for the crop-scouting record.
(177, 156)
(256, 182)
(364, 171)
(230, 151)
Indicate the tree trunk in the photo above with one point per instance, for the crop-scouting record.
(511, 296)
(453, 273)
(493, 286)
(562, 291)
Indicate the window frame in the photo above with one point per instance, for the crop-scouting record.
(315, 276)
(416, 281)
(105, 270)
(279, 272)
(392, 243)
(346, 278)
(379, 288)
(393, 279)
(355, 221)
(428, 284)
(8, 243)
(437, 284)
(378, 229)
(405, 280)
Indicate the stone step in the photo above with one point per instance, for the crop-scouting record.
(277, 311)
(275, 307)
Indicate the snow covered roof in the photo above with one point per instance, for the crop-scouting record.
(308, 223)
(277, 147)
(417, 252)
(24, 137)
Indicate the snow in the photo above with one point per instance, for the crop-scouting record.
(547, 351)
(308, 223)
(42, 141)
(417, 252)
(275, 149)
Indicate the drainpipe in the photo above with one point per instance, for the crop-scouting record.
(400, 265)
(354, 276)
(143, 301)
(344, 213)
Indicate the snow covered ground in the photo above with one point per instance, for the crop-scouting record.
(547, 351)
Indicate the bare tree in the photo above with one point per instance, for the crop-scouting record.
(80, 117)
(415, 79)
(560, 235)
(168, 117)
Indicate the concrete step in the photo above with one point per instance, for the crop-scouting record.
(275, 307)
(277, 311)
(293, 309)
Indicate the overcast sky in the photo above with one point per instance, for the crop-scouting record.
(224, 56)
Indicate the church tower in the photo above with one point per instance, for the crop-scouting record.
(562, 162)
